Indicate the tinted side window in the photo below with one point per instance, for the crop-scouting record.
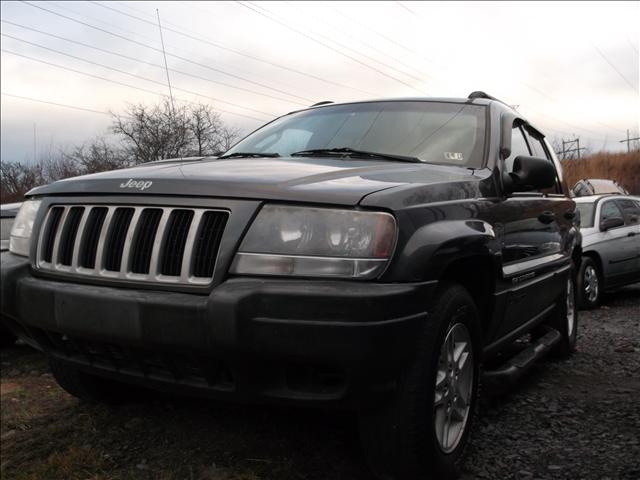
(537, 149)
(631, 212)
(609, 209)
(518, 147)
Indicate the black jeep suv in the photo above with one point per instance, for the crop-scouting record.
(370, 255)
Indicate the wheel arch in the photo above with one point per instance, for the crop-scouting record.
(476, 273)
(595, 256)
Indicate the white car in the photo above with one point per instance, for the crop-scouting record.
(610, 227)
(8, 212)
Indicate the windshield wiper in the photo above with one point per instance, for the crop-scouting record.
(350, 152)
(250, 155)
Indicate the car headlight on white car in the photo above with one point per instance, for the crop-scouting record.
(20, 238)
(317, 242)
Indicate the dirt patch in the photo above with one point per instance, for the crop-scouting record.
(571, 419)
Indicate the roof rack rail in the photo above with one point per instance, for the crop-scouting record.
(324, 102)
(481, 94)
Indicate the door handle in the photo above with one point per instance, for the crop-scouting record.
(547, 217)
(631, 234)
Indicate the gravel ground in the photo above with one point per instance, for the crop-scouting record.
(576, 419)
(572, 419)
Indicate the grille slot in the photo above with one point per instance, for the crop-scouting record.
(49, 233)
(174, 243)
(89, 245)
(68, 237)
(133, 243)
(116, 239)
(207, 243)
(143, 244)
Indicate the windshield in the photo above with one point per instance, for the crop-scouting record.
(433, 132)
(586, 214)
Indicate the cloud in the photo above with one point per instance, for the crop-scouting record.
(541, 56)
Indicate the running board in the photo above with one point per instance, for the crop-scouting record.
(506, 376)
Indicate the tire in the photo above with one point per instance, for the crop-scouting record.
(589, 284)
(399, 439)
(7, 338)
(564, 318)
(91, 388)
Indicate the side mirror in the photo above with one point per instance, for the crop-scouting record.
(529, 173)
(611, 222)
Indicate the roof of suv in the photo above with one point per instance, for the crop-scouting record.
(474, 101)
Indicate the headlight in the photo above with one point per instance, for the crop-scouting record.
(20, 240)
(316, 242)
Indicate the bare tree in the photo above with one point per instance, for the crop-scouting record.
(160, 131)
(146, 133)
(152, 133)
(205, 125)
(228, 137)
(98, 156)
(18, 178)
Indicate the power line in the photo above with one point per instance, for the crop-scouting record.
(112, 81)
(203, 39)
(381, 35)
(134, 75)
(74, 107)
(530, 87)
(614, 67)
(274, 18)
(408, 9)
(184, 59)
(368, 45)
(250, 74)
(173, 70)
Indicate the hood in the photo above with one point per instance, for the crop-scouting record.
(316, 180)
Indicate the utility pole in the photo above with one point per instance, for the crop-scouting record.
(629, 140)
(568, 143)
(35, 159)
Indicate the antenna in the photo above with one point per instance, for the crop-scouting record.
(173, 109)
(35, 159)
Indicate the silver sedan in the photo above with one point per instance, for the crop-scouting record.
(610, 226)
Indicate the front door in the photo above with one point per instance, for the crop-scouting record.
(534, 225)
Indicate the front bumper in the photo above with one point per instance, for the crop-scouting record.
(336, 343)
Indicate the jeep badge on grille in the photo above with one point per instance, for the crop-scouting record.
(140, 184)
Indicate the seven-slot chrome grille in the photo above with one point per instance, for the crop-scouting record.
(172, 245)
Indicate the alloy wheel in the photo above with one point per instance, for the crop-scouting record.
(571, 309)
(591, 283)
(454, 387)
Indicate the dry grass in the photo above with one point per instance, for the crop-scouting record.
(622, 167)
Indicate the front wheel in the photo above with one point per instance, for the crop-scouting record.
(589, 284)
(424, 430)
(564, 318)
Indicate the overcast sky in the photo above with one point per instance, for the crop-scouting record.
(571, 68)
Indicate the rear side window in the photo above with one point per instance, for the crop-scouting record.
(609, 210)
(586, 214)
(630, 210)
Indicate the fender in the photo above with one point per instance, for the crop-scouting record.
(431, 248)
